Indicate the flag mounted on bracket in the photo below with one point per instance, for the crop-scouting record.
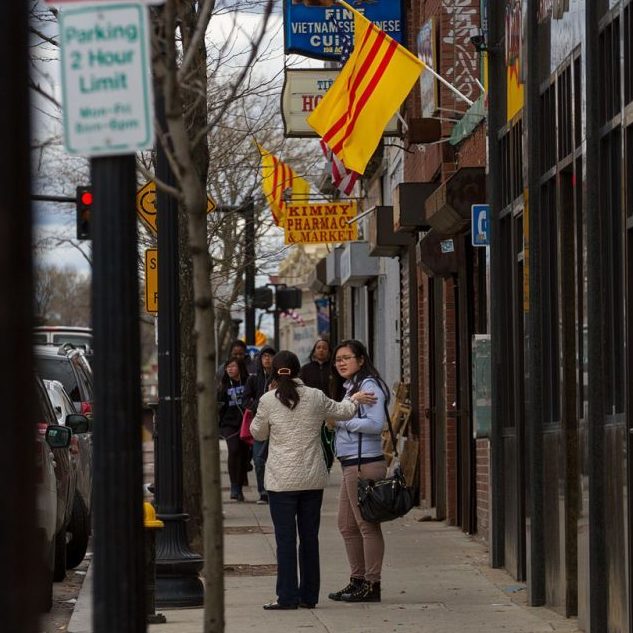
(281, 184)
(370, 89)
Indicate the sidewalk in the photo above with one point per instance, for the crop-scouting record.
(435, 579)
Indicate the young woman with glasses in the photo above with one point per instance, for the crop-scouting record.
(364, 542)
(290, 418)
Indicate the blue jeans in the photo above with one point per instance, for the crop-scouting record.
(260, 455)
(291, 512)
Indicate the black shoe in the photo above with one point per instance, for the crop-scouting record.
(275, 606)
(307, 605)
(354, 583)
(367, 592)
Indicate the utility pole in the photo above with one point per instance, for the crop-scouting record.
(249, 272)
(20, 586)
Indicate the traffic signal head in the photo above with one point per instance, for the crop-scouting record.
(83, 212)
(263, 298)
(289, 298)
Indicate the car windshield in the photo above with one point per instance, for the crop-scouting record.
(60, 369)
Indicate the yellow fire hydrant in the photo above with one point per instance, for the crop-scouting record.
(151, 524)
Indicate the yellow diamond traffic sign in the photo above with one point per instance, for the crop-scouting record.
(146, 205)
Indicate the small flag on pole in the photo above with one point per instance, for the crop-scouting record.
(279, 184)
(342, 178)
(370, 89)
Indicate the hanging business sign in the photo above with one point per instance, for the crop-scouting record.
(106, 79)
(320, 223)
(318, 31)
(303, 89)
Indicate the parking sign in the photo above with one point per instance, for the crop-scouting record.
(480, 224)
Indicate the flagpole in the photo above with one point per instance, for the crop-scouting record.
(426, 66)
(347, 6)
(449, 85)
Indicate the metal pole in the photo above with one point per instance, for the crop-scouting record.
(119, 582)
(276, 326)
(598, 581)
(249, 273)
(21, 582)
(496, 120)
(178, 582)
(534, 388)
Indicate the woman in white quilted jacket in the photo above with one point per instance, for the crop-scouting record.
(290, 418)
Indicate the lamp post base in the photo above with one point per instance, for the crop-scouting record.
(178, 582)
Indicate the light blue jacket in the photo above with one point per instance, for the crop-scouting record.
(369, 421)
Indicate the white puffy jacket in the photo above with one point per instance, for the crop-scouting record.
(295, 458)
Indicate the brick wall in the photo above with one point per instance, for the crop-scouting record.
(482, 482)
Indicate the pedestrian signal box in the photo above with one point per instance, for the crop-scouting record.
(289, 298)
(263, 298)
(84, 201)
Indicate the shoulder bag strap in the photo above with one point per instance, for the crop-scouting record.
(360, 442)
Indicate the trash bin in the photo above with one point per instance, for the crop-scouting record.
(151, 524)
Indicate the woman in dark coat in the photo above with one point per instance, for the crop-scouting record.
(318, 374)
(231, 410)
(256, 386)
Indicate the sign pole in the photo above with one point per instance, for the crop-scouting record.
(119, 582)
(21, 582)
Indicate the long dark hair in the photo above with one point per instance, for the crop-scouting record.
(288, 364)
(366, 370)
(241, 365)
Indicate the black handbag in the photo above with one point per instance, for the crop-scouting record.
(385, 499)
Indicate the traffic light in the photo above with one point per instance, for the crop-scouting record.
(84, 210)
(263, 298)
(288, 298)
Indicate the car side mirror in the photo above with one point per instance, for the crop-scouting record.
(78, 423)
(58, 436)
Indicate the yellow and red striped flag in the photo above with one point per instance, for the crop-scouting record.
(277, 179)
(369, 90)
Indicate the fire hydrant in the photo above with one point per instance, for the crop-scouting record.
(151, 524)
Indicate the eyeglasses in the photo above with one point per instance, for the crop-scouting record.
(343, 359)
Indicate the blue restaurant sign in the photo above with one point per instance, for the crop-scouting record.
(319, 31)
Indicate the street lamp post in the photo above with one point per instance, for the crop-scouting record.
(178, 582)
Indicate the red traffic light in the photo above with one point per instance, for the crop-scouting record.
(86, 198)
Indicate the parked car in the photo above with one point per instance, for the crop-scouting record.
(54, 487)
(80, 337)
(69, 366)
(78, 530)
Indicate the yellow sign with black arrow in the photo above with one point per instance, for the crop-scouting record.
(146, 205)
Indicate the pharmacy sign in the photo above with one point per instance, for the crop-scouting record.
(106, 80)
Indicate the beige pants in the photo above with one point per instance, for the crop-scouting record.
(364, 543)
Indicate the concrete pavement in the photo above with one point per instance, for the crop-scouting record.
(435, 579)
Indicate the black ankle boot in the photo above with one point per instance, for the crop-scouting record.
(354, 584)
(367, 592)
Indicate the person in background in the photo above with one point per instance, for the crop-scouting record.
(290, 418)
(256, 386)
(317, 373)
(364, 541)
(231, 410)
(238, 349)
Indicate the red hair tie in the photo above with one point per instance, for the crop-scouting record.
(284, 371)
